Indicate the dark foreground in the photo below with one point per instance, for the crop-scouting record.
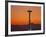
(25, 27)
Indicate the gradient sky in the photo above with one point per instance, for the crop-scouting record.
(20, 16)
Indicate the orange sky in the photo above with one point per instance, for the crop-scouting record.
(20, 16)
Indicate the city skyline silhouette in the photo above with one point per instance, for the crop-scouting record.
(20, 18)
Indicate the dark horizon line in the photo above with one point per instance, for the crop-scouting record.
(25, 24)
(33, 23)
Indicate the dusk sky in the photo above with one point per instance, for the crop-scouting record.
(20, 16)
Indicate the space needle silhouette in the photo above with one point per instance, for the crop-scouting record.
(29, 11)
